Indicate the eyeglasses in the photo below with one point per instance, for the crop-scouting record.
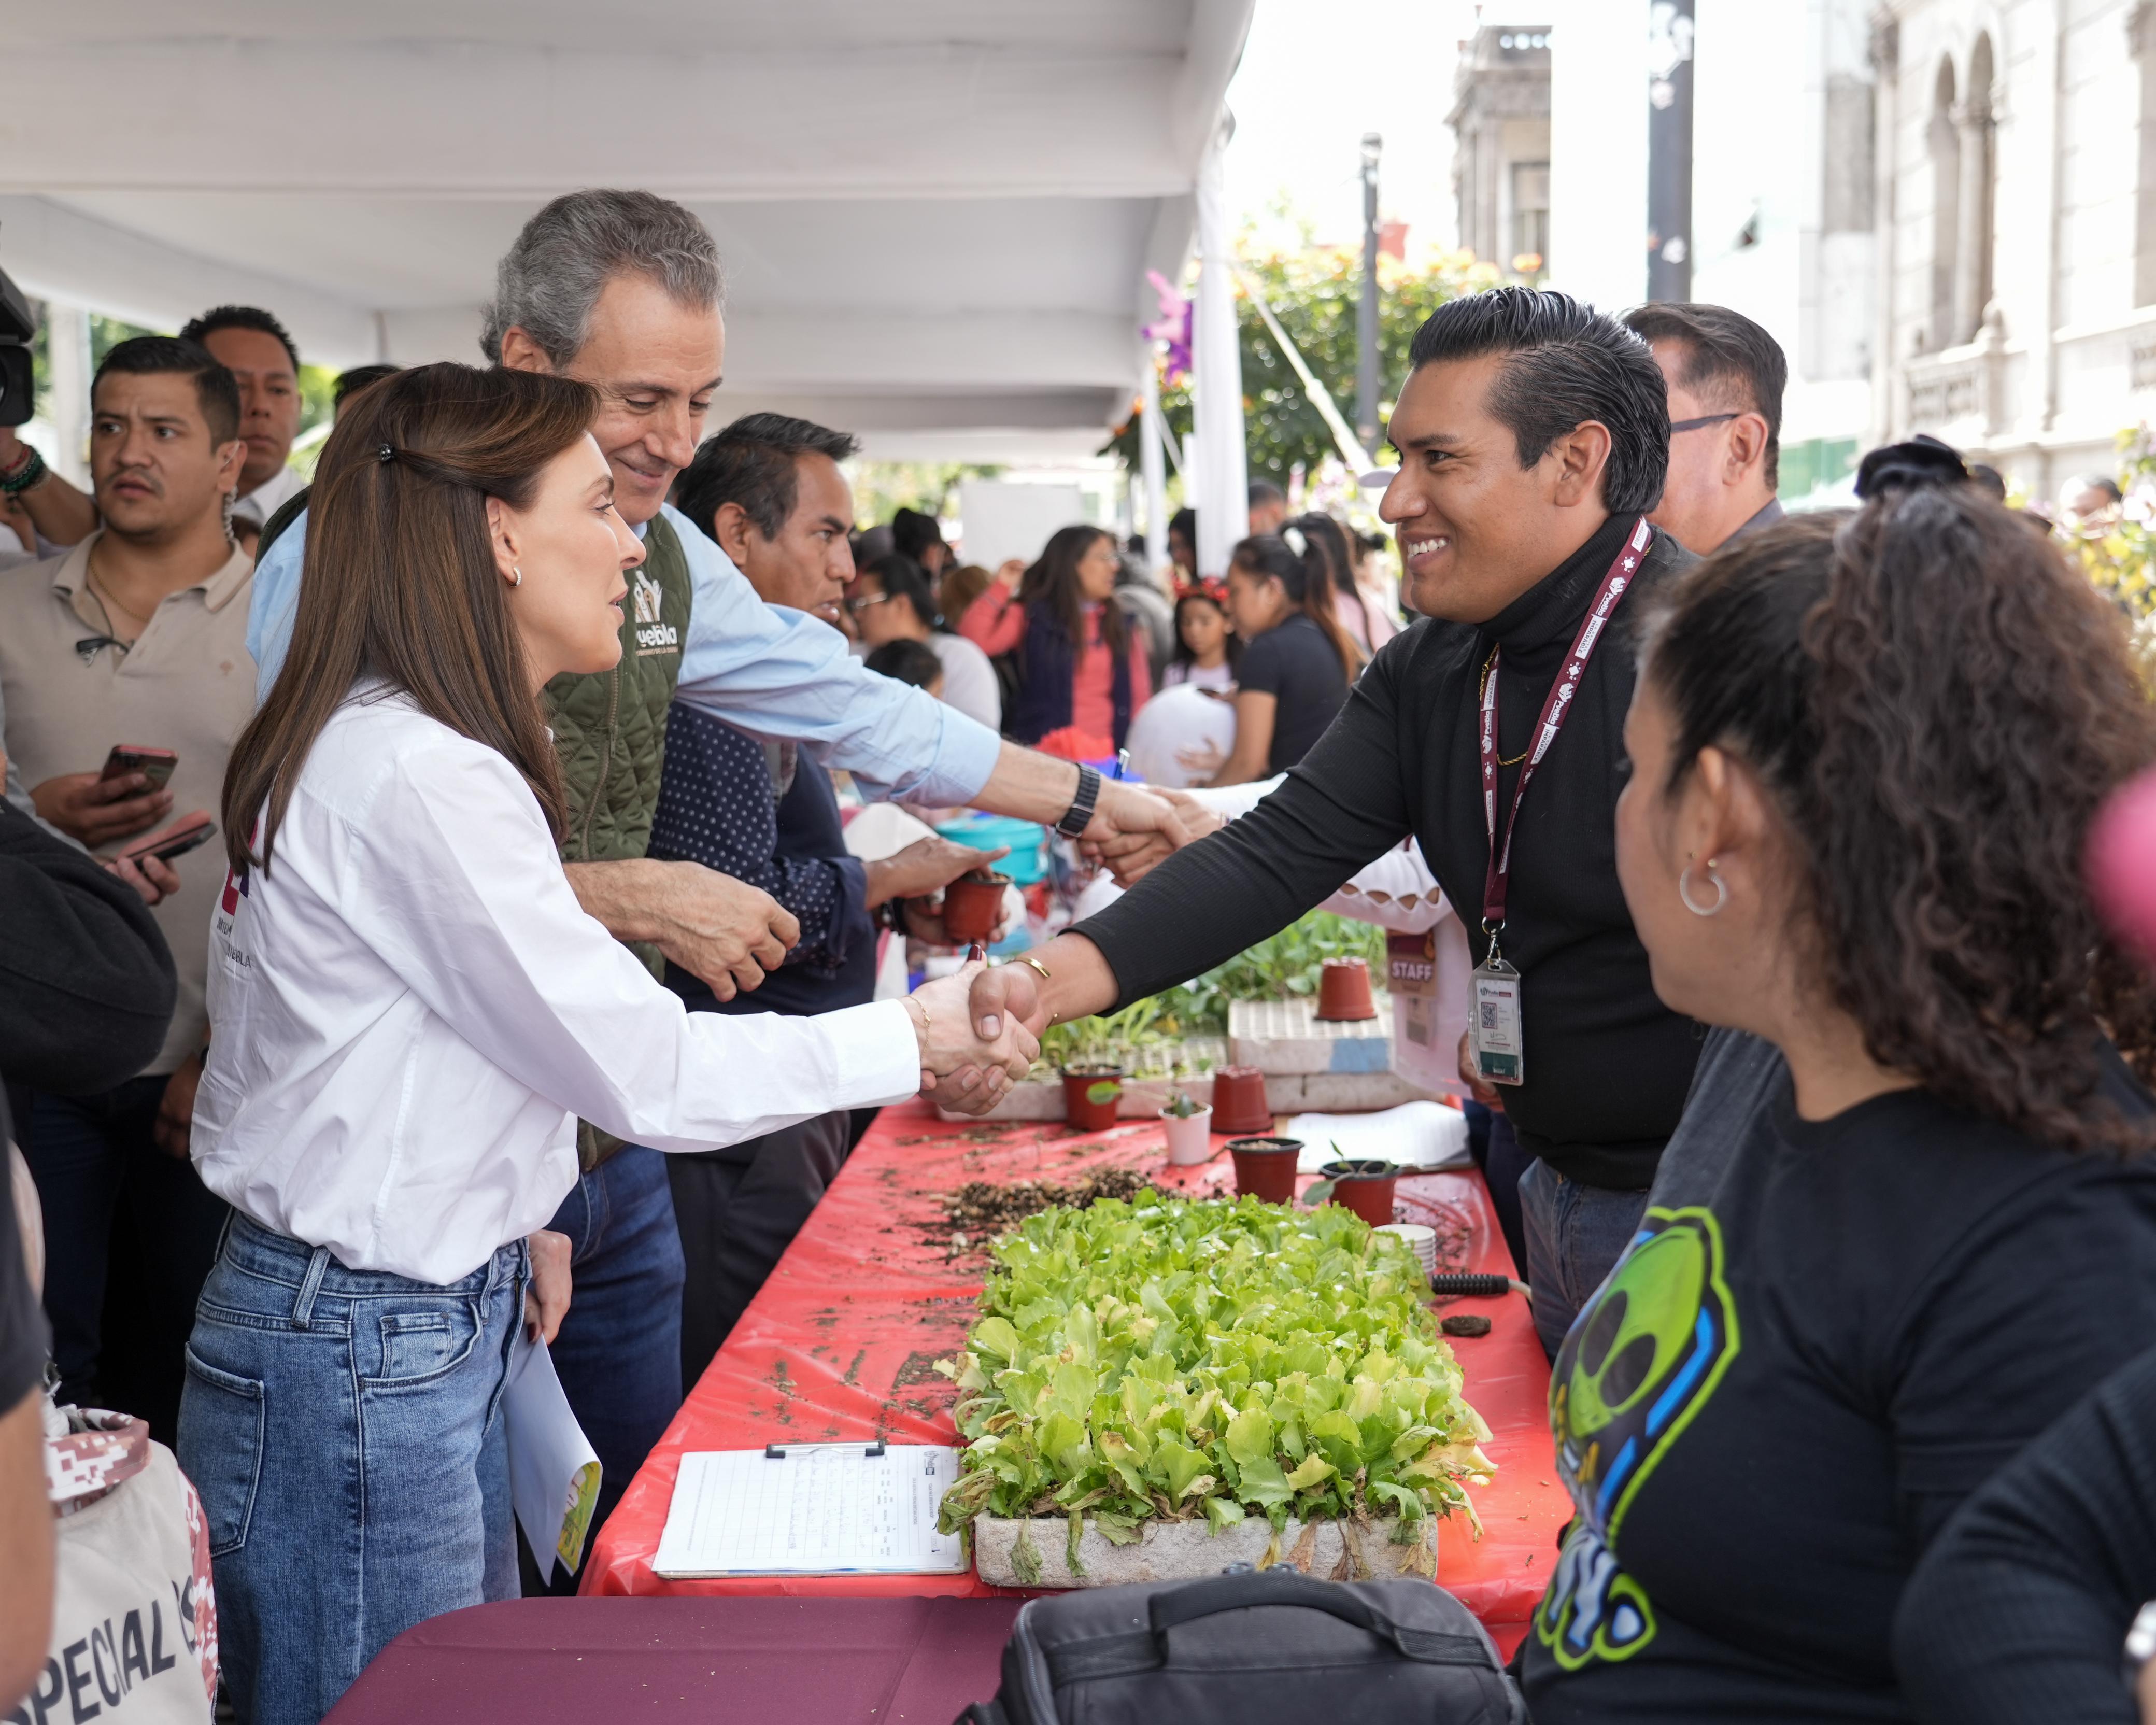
(855, 607)
(1677, 425)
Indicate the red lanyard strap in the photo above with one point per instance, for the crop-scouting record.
(1555, 705)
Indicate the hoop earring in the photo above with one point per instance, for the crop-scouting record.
(516, 577)
(1721, 891)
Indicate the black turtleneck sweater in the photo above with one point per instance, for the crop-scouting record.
(1607, 1065)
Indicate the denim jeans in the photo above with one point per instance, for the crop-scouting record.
(344, 1430)
(130, 1233)
(1575, 1234)
(618, 1353)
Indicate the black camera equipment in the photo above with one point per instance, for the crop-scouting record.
(18, 384)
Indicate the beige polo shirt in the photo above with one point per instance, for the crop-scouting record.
(187, 685)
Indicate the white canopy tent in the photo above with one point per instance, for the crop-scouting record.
(937, 215)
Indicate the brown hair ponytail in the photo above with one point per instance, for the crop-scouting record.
(1302, 575)
(399, 582)
(1938, 706)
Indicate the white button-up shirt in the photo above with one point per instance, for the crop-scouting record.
(410, 1010)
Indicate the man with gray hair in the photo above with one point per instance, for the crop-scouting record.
(622, 290)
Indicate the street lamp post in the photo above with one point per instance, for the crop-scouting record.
(1366, 362)
(1670, 31)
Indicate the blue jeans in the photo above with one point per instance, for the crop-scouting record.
(130, 1233)
(1575, 1235)
(618, 1354)
(344, 1430)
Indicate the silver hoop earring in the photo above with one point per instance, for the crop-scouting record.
(516, 577)
(1721, 891)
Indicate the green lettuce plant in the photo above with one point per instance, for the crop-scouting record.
(1165, 1359)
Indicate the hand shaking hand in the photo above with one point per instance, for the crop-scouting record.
(966, 1064)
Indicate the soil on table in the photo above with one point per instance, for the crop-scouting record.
(981, 1209)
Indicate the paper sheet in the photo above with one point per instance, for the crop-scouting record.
(1417, 1135)
(553, 1471)
(824, 1509)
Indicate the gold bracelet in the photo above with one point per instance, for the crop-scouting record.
(1039, 966)
(926, 1020)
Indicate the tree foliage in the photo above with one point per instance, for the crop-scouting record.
(1315, 292)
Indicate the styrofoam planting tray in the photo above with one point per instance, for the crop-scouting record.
(1190, 1551)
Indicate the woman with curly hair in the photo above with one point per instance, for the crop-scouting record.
(1908, 1218)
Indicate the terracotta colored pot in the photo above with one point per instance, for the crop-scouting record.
(972, 905)
(1239, 1101)
(1344, 990)
(1189, 1138)
(1365, 1188)
(1091, 1096)
(1265, 1167)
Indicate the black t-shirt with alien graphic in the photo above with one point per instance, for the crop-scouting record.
(1827, 1335)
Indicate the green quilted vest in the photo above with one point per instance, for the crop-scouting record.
(610, 736)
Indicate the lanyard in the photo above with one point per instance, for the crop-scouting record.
(1555, 705)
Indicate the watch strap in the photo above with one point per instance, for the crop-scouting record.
(1080, 814)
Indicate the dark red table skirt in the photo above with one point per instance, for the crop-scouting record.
(816, 1661)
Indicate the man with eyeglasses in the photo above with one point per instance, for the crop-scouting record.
(1726, 376)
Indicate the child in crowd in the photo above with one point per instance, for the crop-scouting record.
(1207, 648)
(909, 661)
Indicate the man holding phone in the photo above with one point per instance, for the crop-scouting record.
(125, 679)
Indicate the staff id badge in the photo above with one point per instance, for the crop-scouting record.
(1500, 1046)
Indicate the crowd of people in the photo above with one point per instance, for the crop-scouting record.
(529, 986)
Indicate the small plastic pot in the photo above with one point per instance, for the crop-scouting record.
(1365, 1187)
(1189, 1138)
(1343, 991)
(1090, 1097)
(1265, 1167)
(972, 905)
(1239, 1101)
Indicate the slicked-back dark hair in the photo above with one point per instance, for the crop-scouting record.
(1566, 364)
(216, 390)
(241, 317)
(751, 464)
(1725, 355)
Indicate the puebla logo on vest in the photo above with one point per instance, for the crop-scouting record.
(654, 634)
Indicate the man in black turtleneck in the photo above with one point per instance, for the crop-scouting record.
(1533, 434)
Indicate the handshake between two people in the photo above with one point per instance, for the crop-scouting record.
(967, 1064)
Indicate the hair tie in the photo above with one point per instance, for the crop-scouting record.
(1296, 542)
(384, 453)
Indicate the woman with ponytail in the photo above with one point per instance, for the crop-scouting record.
(1363, 615)
(1909, 1216)
(1297, 661)
(411, 1013)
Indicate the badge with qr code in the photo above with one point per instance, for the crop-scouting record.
(1500, 1052)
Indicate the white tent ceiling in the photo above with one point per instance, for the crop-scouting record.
(937, 215)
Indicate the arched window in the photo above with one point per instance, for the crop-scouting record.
(1972, 278)
(1944, 141)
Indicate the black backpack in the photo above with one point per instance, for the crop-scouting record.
(1252, 1649)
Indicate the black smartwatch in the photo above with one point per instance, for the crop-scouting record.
(1080, 814)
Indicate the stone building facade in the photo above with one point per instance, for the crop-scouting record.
(2016, 226)
(1501, 164)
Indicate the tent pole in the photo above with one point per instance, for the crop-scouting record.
(1152, 438)
(1222, 493)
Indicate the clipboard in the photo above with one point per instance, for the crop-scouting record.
(811, 1509)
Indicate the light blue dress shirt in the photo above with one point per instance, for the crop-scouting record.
(775, 672)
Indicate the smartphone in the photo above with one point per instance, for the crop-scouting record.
(196, 829)
(156, 764)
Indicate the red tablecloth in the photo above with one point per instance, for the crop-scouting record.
(574, 1662)
(842, 1342)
